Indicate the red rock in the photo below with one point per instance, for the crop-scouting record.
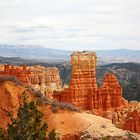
(83, 90)
(127, 118)
(10, 97)
(45, 79)
(132, 122)
(20, 72)
(83, 82)
(111, 93)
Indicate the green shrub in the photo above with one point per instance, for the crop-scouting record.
(54, 110)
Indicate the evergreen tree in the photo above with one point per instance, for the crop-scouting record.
(27, 125)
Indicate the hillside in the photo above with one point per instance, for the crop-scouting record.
(68, 124)
(29, 62)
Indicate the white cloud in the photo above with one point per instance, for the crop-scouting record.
(71, 23)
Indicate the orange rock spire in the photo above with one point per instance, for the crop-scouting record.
(83, 69)
(83, 90)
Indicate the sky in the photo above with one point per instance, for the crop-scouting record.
(71, 24)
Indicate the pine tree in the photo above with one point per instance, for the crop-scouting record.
(27, 125)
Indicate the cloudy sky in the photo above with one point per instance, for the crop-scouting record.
(71, 24)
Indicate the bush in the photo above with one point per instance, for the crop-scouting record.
(55, 104)
(69, 107)
(54, 110)
(63, 106)
(11, 78)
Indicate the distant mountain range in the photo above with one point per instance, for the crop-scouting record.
(33, 52)
(42, 54)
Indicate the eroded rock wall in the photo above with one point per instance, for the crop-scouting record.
(83, 90)
(45, 79)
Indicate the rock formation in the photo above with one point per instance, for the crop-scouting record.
(105, 101)
(83, 90)
(45, 79)
(68, 125)
(20, 72)
(111, 93)
(132, 121)
(125, 118)
(132, 117)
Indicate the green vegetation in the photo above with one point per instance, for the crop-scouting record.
(65, 72)
(52, 135)
(54, 110)
(64, 106)
(27, 125)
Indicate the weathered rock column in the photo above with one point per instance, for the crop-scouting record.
(83, 91)
(83, 82)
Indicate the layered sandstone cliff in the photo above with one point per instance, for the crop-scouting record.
(45, 79)
(21, 72)
(83, 90)
(82, 84)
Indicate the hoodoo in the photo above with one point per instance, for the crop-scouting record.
(45, 79)
(83, 90)
(20, 72)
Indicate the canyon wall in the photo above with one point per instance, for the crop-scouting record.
(45, 79)
(21, 72)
